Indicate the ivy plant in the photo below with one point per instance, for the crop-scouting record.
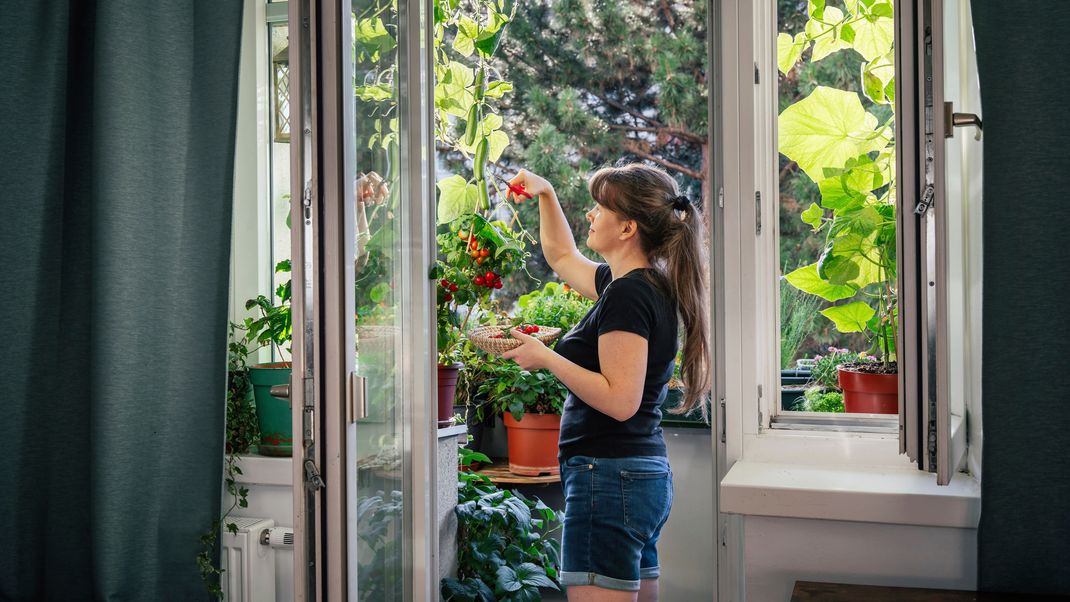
(849, 152)
(505, 545)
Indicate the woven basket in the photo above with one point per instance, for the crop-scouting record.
(481, 337)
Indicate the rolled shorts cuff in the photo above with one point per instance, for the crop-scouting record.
(576, 578)
(650, 572)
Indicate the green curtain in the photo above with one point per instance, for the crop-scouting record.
(115, 180)
(1024, 536)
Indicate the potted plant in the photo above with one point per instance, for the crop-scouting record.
(505, 544)
(531, 405)
(273, 327)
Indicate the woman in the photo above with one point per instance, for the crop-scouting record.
(616, 363)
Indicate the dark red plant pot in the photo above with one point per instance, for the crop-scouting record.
(865, 393)
(447, 391)
(533, 444)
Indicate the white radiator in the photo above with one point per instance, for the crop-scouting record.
(248, 565)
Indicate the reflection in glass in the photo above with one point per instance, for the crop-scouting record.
(379, 500)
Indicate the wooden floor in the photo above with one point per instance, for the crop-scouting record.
(806, 591)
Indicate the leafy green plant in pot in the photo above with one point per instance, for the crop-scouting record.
(848, 150)
(505, 545)
(531, 405)
(273, 327)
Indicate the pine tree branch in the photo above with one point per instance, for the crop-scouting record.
(674, 132)
(668, 14)
(635, 147)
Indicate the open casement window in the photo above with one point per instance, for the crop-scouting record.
(872, 164)
(932, 412)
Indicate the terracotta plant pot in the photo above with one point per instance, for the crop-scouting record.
(533, 444)
(447, 391)
(865, 393)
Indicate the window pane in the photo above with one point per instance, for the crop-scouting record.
(838, 301)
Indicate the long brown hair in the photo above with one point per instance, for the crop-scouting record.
(671, 235)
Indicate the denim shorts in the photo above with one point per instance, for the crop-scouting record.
(614, 511)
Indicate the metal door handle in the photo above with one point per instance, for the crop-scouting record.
(957, 120)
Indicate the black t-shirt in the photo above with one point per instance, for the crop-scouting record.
(632, 303)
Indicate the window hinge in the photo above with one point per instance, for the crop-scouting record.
(761, 422)
(757, 74)
(720, 197)
(721, 402)
(758, 212)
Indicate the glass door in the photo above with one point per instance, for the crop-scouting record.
(362, 172)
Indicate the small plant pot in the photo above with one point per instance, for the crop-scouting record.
(273, 413)
(447, 391)
(533, 444)
(865, 393)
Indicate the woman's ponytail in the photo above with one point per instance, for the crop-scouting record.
(671, 233)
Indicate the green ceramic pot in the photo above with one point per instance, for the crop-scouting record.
(273, 413)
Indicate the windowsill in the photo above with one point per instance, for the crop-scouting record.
(453, 431)
(874, 494)
(265, 470)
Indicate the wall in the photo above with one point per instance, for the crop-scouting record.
(780, 551)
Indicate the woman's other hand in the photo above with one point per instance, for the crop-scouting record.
(532, 184)
(370, 188)
(531, 354)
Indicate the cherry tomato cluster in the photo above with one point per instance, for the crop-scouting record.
(489, 280)
(449, 287)
(478, 253)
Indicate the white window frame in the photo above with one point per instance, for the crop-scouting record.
(750, 263)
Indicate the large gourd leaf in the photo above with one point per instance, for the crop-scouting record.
(851, 317)
(807, 280)
(825, 129)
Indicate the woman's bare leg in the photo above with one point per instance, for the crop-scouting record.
(648, 590)
(593, 593)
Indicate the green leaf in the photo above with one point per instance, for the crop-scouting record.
(825, 34)
(789, 50)
(812, 216)
(498, 141)
(373, 36)
(456, 197)
(376, 92)
(464, 41)
(491, 34)
(507, 580)
(851, 317)
(874, 36)
(825, 129)
(836, 269)
(498, 89)
(807, 280)
(531, 574)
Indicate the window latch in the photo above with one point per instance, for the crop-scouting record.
(926, 200)
(313, 480)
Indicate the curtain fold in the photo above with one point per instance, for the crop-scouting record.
(115, 176)
(1024, 535)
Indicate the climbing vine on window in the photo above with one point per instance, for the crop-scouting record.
(845, 143)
